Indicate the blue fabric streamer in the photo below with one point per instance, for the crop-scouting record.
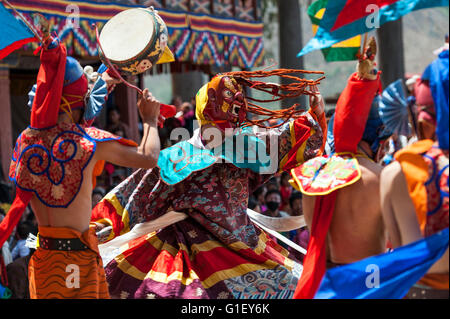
(438, 76)
(102, 69)
(13, 31)
(397, 271)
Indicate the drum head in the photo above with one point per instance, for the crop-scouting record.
(127, 34)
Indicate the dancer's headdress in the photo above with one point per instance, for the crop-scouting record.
(352, 122)
(223, 101)
(75, 92)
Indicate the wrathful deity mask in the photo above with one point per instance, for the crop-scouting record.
(222, 103)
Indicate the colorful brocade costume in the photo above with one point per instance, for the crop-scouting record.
(217, 252)
(426, 169)
(403, 270)
(425, 166)
(48, 163)
(324, 176)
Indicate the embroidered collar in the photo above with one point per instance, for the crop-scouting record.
(50, 162)
(179, 161)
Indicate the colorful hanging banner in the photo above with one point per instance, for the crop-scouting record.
(344, 19)
(200, 39)
(343, 51)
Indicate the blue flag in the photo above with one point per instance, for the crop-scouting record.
(438, 75)
(386, 276)
(14, 33)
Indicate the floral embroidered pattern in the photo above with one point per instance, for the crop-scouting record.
(437, 191)
(315, 141)
(323, 175)
(278, 283)
(217, 236)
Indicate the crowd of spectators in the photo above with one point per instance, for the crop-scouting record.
(14, 254)
(277, 198)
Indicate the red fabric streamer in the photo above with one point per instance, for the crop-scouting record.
(314, 265)
(14, 214)
(302, 132)
(50, 81)
(15, 46)
(352, 112)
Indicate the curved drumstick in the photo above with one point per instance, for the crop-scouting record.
(166, 111)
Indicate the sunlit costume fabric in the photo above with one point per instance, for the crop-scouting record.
(217, 252)
(67, 274)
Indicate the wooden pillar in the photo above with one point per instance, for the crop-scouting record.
(291, 41)
(126, 101)
(187, 84)
(6, 142)
(391, 52)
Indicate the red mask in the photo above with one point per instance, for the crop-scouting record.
(226, 105)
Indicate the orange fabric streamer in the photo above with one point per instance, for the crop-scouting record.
(415, 170)
(416, 173)
(98, 170)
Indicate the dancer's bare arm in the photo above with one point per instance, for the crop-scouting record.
(145, 155)
(397, 207)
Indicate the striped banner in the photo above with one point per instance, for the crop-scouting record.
(196, 38)
(225, 26)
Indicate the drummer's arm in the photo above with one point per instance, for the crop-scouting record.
(145, 155)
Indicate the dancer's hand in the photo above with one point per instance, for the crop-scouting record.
(97, 226)
(110, 81)
(316, 102)
(148, 107)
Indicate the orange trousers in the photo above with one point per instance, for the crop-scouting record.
(67, 274)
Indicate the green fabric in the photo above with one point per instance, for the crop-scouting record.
(5, 292)
(314, 8)
(340, 54)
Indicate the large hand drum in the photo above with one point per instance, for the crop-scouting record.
(135, 40)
